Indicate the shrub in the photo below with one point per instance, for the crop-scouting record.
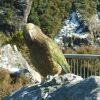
(86, 8)
(83, 50)
(3, 38)
(16, 39)
(49, 15)
(7, 84)
(88, 50)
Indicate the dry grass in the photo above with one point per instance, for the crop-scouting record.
(88, 50)
(68, 51)
(83, 50)
(9, 84)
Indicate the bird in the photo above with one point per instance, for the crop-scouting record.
(45, 54)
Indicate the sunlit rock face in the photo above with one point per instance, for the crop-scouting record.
(63, 87)
(12, 60)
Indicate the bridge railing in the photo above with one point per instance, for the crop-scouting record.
(84, 65)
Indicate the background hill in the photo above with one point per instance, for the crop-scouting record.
(48, 14)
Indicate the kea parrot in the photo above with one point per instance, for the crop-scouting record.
(45, 53)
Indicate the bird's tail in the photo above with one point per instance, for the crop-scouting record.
(66, 68)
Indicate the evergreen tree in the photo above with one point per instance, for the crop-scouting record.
(49, 14)
(86, 8)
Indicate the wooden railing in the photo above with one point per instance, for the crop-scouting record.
(84, 65)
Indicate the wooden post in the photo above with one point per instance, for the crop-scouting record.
(81, 62)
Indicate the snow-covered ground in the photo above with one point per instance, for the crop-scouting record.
(73, 26)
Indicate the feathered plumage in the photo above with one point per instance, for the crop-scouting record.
(46, 55)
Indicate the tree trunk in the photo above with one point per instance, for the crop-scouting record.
(28, 4)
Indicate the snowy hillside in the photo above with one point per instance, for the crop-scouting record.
(74, 25)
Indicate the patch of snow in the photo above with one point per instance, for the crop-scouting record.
(98, 38)
(82, 36)
(79, 31)
(73, 26)
(57, 40)
(73, 18)
(13, 70)
(9, 68)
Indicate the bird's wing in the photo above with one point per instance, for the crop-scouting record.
(58, 56)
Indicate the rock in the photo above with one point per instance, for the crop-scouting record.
(94, 24)
(63, 87)
(94, 27)
(12, 60)
(46, 89)
(85, 90)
